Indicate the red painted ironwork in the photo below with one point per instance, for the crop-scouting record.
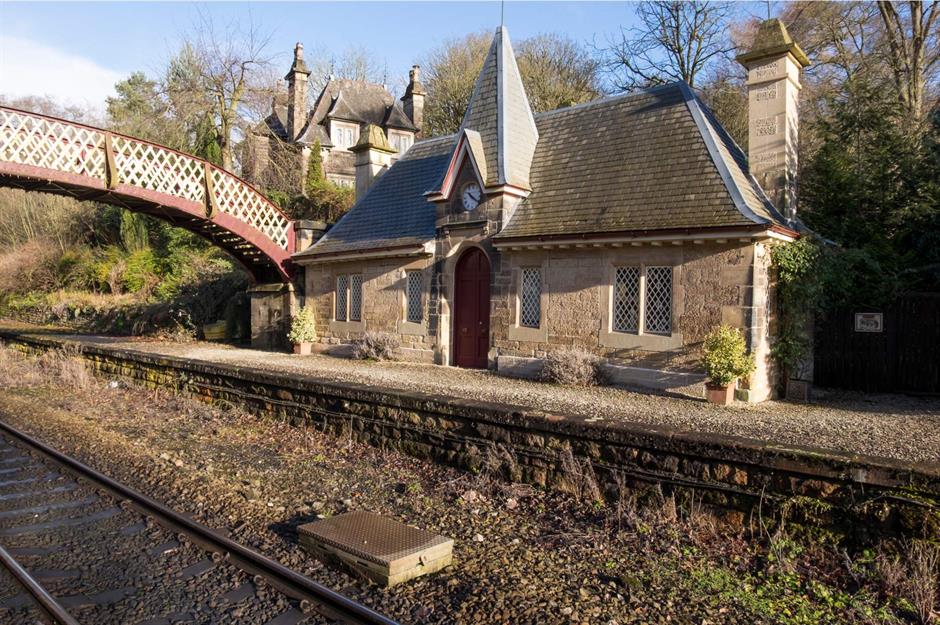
(43, 153)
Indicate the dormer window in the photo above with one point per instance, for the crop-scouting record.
(344, 135)
(401, 141)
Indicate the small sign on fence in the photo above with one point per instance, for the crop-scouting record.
(869, 322)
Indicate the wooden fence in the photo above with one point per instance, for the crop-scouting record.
(904, 356)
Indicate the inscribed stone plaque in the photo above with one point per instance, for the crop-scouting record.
(869, 322)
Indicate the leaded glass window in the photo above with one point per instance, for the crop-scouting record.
(355, 297)
(415, 311)
(342, 286)
(658, 300)
(626, 311)
(530, 299)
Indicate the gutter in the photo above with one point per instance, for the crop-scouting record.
(381, 252)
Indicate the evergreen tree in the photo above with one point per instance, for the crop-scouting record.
(315, 180)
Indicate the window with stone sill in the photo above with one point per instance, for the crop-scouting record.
(530, 297)
(655, 291)
(355, 297)
(400, 141)
(341, 299)
(658, 300)
(414, 311)
(626, 305)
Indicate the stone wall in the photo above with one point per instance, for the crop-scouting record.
(383, 304)
(727, 472)
(712, 284)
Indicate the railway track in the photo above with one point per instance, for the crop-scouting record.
(83, 548)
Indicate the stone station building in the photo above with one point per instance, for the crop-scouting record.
(629, 226)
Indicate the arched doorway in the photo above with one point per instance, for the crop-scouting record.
(472, 310)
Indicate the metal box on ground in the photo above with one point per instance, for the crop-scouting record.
(380, 548)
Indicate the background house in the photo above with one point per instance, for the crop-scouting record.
(341, 111)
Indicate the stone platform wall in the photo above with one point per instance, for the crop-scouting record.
(730, 473)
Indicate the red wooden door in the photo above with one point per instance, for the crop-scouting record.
(472, 310)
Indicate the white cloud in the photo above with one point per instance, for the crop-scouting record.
(28, 67)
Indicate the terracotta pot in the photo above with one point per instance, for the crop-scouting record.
(722, 395)
(303, 349)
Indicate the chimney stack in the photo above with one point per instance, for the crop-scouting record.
(773, 65)
(413, 100)
(297, 93)
(373, 157)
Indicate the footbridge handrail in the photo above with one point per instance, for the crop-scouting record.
(41, 141)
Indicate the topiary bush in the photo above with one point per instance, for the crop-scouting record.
(725, 356)
(376, 346)
(571, 365)
(303, 327)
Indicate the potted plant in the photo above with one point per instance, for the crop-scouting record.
(303, 331)
(725, 359)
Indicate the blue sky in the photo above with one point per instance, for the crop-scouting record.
(75, 51)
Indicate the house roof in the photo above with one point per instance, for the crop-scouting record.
(653, 160)
(394, 211)
(395, 117)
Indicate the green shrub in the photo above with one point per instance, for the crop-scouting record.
(725, 356)
(140, 273)
(303, 327)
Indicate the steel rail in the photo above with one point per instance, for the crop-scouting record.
(47, 602)
(313, 596)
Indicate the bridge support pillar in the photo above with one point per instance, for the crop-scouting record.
(272, 306)
(307, 232)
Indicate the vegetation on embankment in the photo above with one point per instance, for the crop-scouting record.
(646, 558)
(101, 268)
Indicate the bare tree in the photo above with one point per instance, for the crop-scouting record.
(676, 41)
(912, 35)
(555, 70)
(213, 75)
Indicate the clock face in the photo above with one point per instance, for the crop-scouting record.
(472, 195)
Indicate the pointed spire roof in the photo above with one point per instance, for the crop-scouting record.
(499, 110)
(772, 39)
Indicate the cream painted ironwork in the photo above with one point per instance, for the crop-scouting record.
(39, 141)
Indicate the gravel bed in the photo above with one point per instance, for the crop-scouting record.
(890, 426)
(108, 565)
(521, 555)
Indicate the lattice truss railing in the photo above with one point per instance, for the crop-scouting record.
(49, 143)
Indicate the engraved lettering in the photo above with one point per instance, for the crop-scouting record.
(766, 70)
(766, 126)
(765, 93)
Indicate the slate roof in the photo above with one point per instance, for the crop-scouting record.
(394, 211)
(499, 111)
(395, 117)
(654, 160)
